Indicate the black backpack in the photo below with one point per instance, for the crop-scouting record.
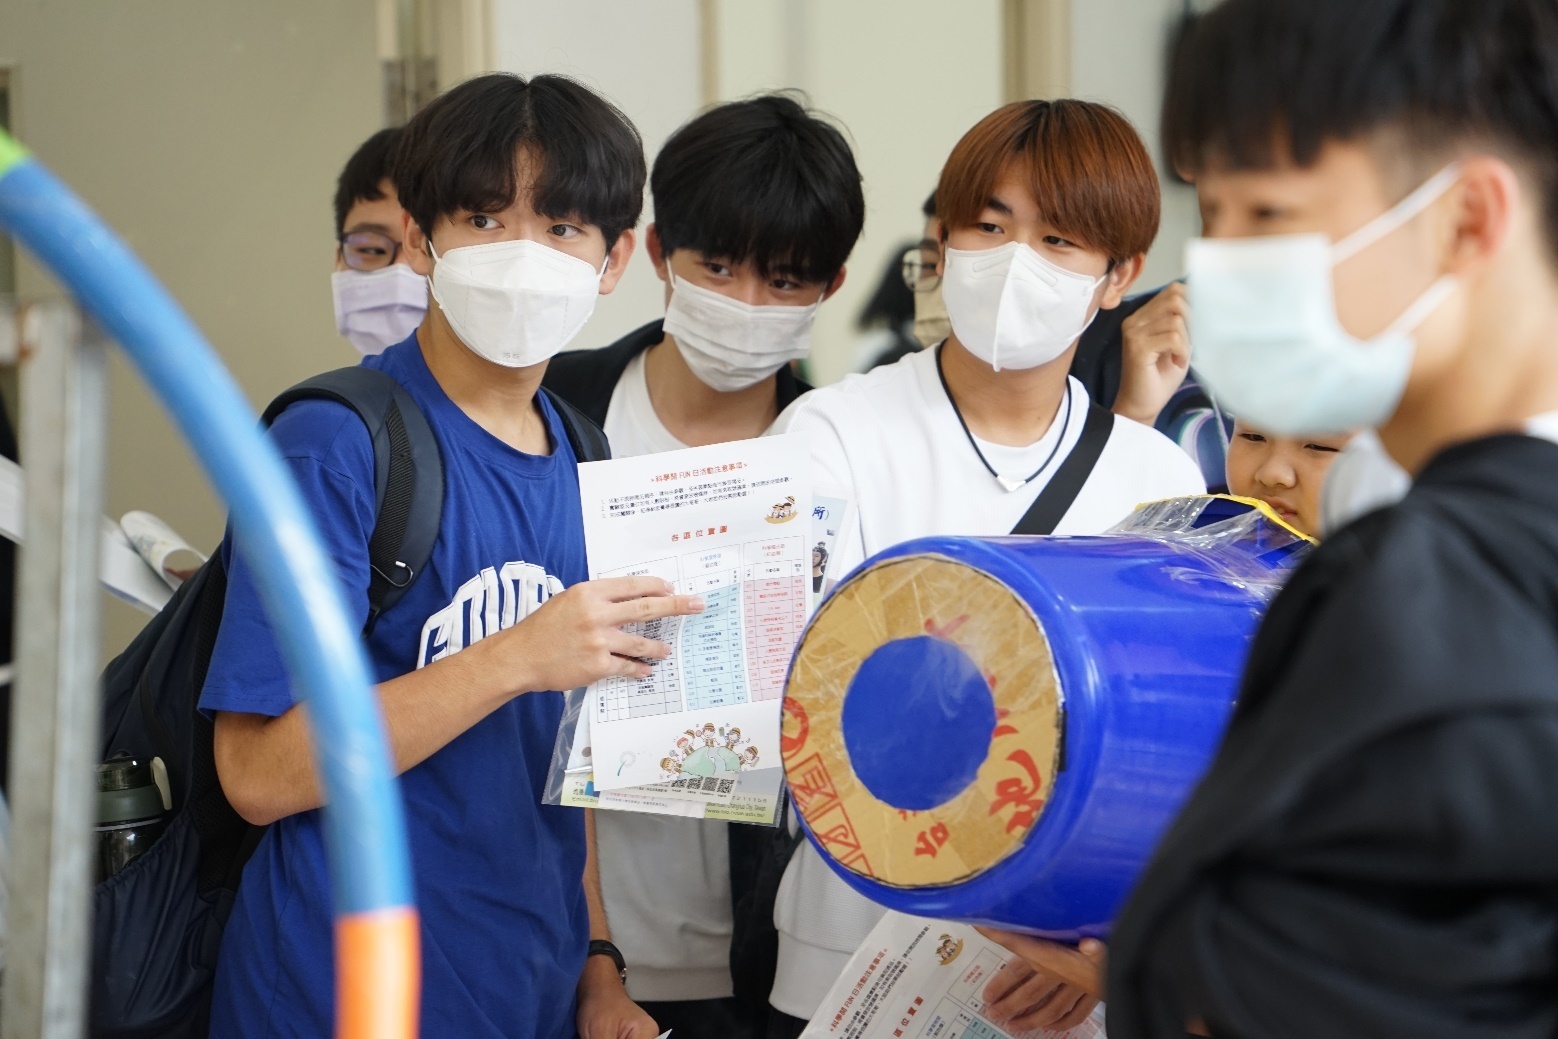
(157, 925)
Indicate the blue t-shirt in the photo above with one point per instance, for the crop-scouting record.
(499, 876)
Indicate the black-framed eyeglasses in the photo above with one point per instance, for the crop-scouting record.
(918, 273)
(368, 250)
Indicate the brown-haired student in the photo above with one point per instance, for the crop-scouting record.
(1047, 209)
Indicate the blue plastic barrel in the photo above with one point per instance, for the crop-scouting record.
(998, 730)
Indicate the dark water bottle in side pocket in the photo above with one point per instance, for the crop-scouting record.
(129, 813)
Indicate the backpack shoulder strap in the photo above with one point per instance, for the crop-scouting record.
(588, 442)
(408, 477)
(1047, 510)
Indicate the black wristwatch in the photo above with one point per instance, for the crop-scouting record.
(600, 947)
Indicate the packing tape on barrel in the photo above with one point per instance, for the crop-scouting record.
(980, 732)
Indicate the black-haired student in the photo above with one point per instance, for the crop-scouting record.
(1374, 851)
(521, 196)
(757, 205)
(379, 299)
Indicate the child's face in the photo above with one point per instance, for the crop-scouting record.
(1284, 472)
(1012, 215)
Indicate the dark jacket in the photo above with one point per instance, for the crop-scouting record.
(586, 378)
(1374, 851)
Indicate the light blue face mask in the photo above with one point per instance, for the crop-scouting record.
(1266, 339)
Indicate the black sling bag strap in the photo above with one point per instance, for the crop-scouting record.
(1061, 492)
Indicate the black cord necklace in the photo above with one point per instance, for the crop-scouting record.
(1004, 481)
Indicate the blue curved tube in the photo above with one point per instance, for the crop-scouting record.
(364, 821)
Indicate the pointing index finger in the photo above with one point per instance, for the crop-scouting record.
(623, 589)
(652, 607)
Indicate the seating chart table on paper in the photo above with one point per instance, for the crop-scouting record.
(730, 523)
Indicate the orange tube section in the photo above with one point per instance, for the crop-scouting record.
(378, 974)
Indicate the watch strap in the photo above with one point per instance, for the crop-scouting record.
(601, 947)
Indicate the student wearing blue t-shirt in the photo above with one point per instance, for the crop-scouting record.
(521, 197)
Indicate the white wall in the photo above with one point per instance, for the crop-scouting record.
(645, 58)
(1117, 53)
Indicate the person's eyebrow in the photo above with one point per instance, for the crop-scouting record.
(383, 229)
(1000, 207)
(927, 243)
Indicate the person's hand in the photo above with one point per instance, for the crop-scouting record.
(1155, 354)
(605, 1009)
(1049, 985)
(576, 636)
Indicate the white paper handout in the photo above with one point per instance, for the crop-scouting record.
(915, 978)
(729, 522)
(120, 569)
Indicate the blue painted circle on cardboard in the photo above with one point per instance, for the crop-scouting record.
(917, 719)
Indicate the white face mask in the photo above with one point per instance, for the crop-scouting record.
(515, 303)
(1266, 337)
(377, 309)
(731, 345)
(1012, 308)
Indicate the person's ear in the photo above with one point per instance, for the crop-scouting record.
(414, 244)
(617, 260)
(656, 252)
(1120, 279)
(941, 249)
(1482, 214)
(836, 284)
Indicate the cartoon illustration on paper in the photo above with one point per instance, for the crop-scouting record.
(710, 750)
(782, 512)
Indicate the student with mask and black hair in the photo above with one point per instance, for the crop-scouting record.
(521, 196)
(379, 299)
(1046, 210)
(757, 205)
(1374, 851)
